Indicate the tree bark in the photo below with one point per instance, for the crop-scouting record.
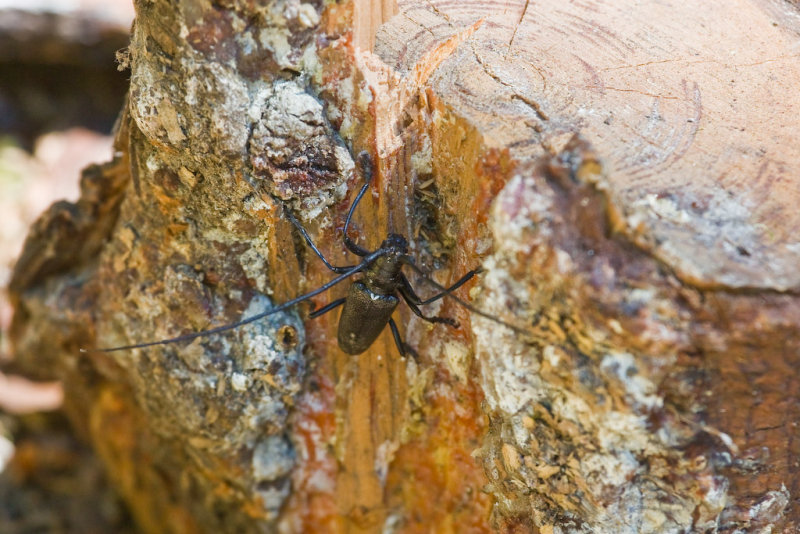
(625, 180)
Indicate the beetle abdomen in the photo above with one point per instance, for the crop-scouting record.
(364, 316)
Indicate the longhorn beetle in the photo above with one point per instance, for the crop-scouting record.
(371, 300)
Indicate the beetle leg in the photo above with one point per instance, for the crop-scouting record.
(412, 296)
(418, 312)
(402, 347)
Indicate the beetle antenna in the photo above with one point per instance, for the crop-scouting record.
(449, 294)
(288, 304)
(364, 163)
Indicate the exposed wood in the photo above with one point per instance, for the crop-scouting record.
(626, 181)
(367, 18)
(658, 267)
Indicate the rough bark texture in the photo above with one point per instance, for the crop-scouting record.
(627, 183)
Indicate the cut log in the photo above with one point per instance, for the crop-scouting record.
(626, 176)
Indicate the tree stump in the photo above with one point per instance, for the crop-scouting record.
(625, 175)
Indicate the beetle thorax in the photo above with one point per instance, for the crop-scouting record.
(383, 276)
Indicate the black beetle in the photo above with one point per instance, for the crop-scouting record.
(371, 300)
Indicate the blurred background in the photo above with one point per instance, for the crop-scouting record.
(60, 93)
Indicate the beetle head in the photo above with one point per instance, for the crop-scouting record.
(396, 243)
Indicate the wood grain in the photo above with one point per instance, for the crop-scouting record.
(691, 108)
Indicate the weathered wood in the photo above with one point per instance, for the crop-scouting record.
(625, 180)
(658, 267)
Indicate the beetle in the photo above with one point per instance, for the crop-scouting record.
(370, 301)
